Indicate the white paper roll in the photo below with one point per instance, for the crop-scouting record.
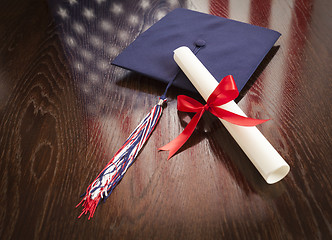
(261, 153)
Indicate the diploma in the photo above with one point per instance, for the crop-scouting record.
(261, 153)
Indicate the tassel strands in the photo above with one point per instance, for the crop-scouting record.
(109, 177)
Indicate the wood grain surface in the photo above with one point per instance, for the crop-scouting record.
(65, 110)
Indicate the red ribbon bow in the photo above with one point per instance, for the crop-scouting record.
(225, 92)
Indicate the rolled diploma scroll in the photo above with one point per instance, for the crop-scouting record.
(261, 153)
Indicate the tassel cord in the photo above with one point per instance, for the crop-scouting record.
(110, 176)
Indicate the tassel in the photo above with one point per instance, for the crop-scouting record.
(109, 177)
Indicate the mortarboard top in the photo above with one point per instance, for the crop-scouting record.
(226, 47)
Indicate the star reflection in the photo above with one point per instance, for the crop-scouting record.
(63, 13)
(88, 13)
(102, 65)
(112, 50)
(86, 54)
(78, 66)
(72, 2)
(78, 28)
(144, 4)
(116, 8)
(133, 20)
(96, 41)
(71, 41)
(106, 25)
(160, 14)
(100, 1)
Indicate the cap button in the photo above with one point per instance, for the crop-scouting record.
(200, 43)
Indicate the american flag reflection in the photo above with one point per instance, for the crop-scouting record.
(93, 34)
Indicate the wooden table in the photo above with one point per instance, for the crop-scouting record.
(65, 111)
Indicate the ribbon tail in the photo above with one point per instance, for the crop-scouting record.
(178, 142)
(245, 121)
(235, 118)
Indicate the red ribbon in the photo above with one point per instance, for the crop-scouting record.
(225, 92)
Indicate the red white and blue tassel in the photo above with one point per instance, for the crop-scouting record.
(109, 177)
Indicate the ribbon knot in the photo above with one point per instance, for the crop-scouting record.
(225, 92)
(206, 107)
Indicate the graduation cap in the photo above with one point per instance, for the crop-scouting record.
(224, 46)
